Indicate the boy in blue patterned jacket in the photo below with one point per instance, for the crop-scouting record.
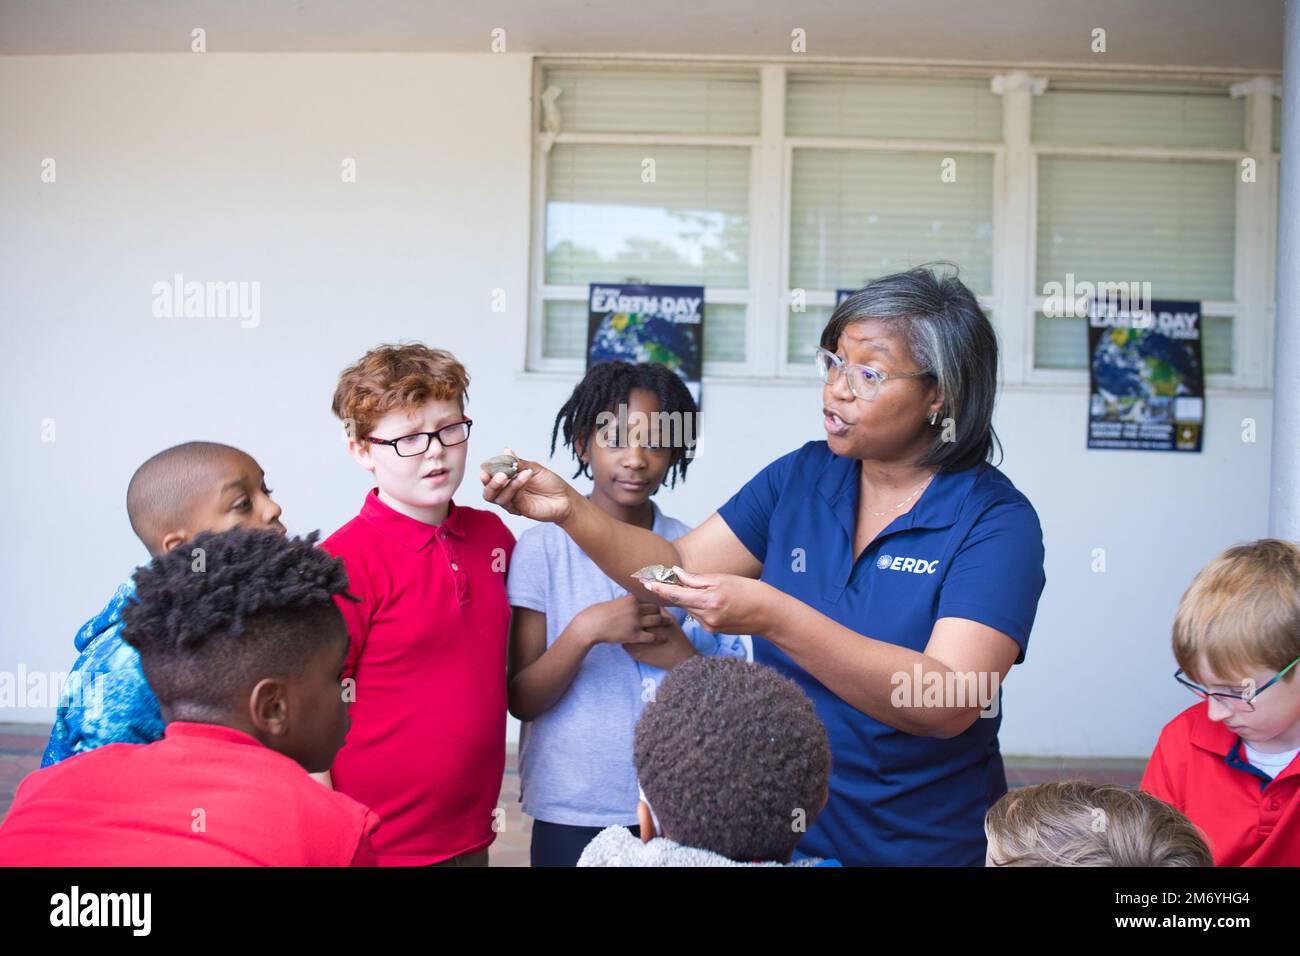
(197, 486)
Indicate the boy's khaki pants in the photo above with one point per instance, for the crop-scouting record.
(477, 858)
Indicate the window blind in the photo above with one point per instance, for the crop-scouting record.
(857, 215)
(642, 101)
(1168, 223)
(1063, 343)
(605, 224)
(892, 108)
(1079, 114)
(806, 333)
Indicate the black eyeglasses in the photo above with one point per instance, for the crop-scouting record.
(1235, 701)
(408, 446)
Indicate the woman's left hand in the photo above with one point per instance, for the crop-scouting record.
(723, 603)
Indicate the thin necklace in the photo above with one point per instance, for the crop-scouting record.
(919, 489)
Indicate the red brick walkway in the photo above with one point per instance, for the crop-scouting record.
(21, 746)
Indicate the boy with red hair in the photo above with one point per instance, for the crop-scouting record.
(428, 652)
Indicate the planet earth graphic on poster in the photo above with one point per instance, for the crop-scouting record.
(1136, 372)
(645, 337)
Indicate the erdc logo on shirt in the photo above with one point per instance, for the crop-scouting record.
(915, 565)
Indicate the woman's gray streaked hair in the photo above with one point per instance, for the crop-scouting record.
(951, 338)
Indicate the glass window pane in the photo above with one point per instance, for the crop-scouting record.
(564, 331)
(1216, 344)
(1062, 342)
(1080, 114)
(660, 101)
(806, 333)
(858, 215)
(724, 332)
(892, 107)
(689, 223)
(1168, 223)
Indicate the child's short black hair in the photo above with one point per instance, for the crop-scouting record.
(163, 489)
(230, 608)
(732, 758)
(607, 386)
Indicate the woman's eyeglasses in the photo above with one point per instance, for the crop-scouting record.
(1239, 701)
(864, 381)
(408, 446)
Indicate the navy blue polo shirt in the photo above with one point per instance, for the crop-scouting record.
(970, 547)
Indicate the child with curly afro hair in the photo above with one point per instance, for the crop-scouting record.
(241, 641)
(734, 766)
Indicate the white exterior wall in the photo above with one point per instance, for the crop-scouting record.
(228, 168)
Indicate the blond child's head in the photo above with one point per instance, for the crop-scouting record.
(1237, 636)
(403, 408)
(1077, 823)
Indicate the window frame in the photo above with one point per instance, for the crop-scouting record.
(1246, 339)
(1015, 298)
(541, 292)
(824, 297)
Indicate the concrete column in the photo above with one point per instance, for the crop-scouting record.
(1015, 287)
(1284, 478)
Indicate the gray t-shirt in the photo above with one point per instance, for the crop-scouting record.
(575, 760)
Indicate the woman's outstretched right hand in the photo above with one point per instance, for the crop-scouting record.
(534, 492)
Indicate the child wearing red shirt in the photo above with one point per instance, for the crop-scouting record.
(1232, 761)
(428, 653)
(241, 642)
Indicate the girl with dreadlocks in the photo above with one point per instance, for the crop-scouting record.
(585, 655)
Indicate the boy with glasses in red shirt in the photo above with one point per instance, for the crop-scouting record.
(428, 652)
(1230, 762)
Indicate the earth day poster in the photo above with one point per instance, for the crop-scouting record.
(1146, 376)
(648, 323)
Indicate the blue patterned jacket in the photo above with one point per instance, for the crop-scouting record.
(106, 699)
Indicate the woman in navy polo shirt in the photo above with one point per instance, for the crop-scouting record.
(890, 570)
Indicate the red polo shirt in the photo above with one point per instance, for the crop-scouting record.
(204, 795)
(427, 746)
(1200, 768)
